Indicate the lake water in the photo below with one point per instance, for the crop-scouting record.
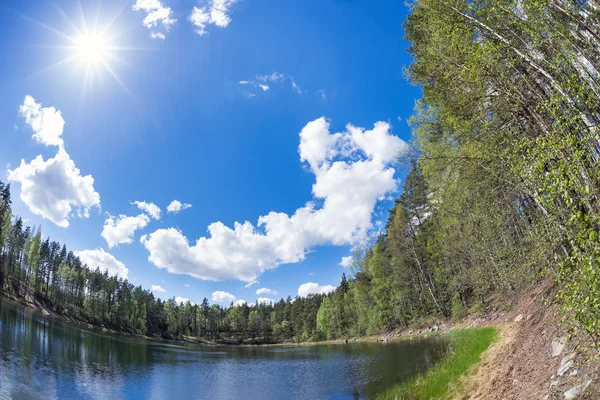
(42, 358)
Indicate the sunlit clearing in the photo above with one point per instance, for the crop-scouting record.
(91, 48)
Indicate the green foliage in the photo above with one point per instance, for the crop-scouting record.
(459, 311)
(507, 131)
(324, 318)
(503, 191)
(32, 266)
(464, 351)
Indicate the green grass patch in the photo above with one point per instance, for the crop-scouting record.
(464, 351)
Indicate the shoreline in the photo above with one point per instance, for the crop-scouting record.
(397, 334)
(517, 362)
(530, 358)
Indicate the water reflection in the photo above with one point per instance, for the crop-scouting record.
(47, 359)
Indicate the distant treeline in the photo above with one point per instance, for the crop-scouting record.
(46, 271)
(503, 190)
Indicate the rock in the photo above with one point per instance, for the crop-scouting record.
(573, 373)
(565, 364)
(554, 383)
(519, 318)
(546, 397)
(558, 345)
(574, 392)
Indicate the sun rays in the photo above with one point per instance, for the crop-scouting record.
(90, 49)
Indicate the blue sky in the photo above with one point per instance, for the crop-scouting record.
(235, 107)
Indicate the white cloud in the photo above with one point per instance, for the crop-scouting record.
(266, 291)
(255, 282)
(105, 261)
(157, 15)
(274, 77)
(266, 300)
(175, 206)
(322, 93)
(314, 288)
(121, 229)
(187, 285)
(158, 35)
(183, 300)
(55, 187)
(239, 302)
(216, 12)
(158, 288)
(351, 173)
(52, 188)
(149, 208)
(295, 86)
(263, 82)
(222, 297)
(346, 261)
(47, 122)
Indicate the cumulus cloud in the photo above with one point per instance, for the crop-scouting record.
(175, 206)
(222, 297)
(266, 300)
(157, 16)
(149, 208)
(346, 262)
(216, 12)
(184, 300)
(54, 188)
(352, 174)
(122, 228)
(158, 35)
(47, 123)
(266, 291)
(314, 288)
(103, 260)
(158, 288)
(239, 302)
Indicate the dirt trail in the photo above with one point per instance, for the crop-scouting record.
(524, 363)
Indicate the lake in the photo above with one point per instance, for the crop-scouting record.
(45, 358)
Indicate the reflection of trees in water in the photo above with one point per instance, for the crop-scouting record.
(414, 356)
(49, 357)
(40, 343)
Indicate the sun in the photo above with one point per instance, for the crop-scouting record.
(91, 48)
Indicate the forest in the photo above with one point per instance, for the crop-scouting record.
(502, 191)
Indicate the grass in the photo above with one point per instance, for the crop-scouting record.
(464, 351)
